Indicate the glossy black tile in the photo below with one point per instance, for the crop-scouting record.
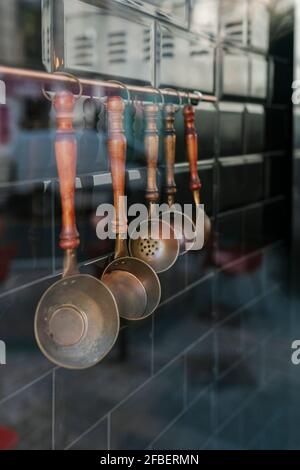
(278, 169)
(231, 129)
(26, 234)
(282, 71)
(141, 418)
(230, 238)
(25, 362)
(253, 179)
(253, 229)
(254, 129)
(201, 364)
(231, 183)
(238, 284)
(82, 398)
(276, 128)
(96, 439)
(276, 221)
(232, 392)
(190, 431)
(181, 322)
(229, 344)
(29, 415)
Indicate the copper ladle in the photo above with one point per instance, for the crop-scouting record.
(191, 139)
(134, 283)
(170, 184)
(76, 321)
(159, 252)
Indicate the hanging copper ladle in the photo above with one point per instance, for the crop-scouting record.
(191, 140)
(77, 320)
(134, 283)
(180, 221)
(159, 251)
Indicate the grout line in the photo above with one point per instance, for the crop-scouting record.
(251, 206)
(235, 414)
(187, 289)
(191, 286)
(175, 359)
(241, 359)
(179, 415)
(247, 305)
(263, 430)
(87, 431)
(194, 402)
(30, 384)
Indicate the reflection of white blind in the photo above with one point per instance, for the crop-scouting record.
(117, 47)
(84, 50)
(101, 41)
(168, 46)
(204, 16)
(234, 20)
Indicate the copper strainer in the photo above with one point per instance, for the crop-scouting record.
(159, 246)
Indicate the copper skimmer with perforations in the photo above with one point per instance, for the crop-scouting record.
(134, 283)
(160, 250)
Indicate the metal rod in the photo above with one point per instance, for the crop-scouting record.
(86, 82)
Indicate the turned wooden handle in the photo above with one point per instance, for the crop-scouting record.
(170, 148)
(117, 154)
(66, 159)
(191, 140)
(151, 149)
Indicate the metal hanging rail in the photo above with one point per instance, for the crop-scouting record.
(90, 84)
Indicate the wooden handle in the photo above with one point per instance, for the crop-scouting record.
(117, 153)
(151, 149)
(191, 140)
(66, 158)
(170, 148)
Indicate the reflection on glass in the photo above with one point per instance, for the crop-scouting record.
(258, 76)
(259, 24)
(101, 41)
(194, 69)
(177, 8)
(234, 21)
(235, 73)
(204, 17)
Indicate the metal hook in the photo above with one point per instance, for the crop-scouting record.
(158, 91)
(123, 86)
(47, 95)
(179, 97)
(195, 93)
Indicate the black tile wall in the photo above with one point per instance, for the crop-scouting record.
(145, 404)
(184, 436)
(231, 129)
(207, 370)
(17, 413)
(174, 331)
(94, 392)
